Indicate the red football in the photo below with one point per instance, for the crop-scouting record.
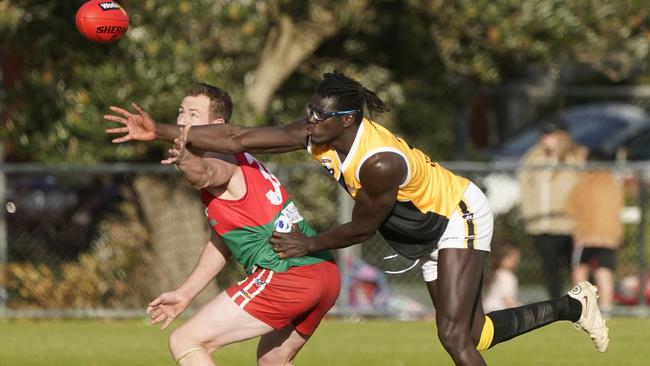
(102, 21)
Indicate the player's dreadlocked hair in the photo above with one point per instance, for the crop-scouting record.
(349, 94)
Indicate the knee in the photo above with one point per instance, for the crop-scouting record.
(274, 359)
(178, 343)
(453, 335)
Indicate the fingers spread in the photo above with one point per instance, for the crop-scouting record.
(139, 109)
(110, 117)
(121, 111)
(158, 318)
(167, 322)
(118, 130)
(121, 139)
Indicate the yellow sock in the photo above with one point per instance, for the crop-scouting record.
(486, 335)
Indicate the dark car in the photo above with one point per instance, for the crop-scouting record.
(54, 216)
(603, 126)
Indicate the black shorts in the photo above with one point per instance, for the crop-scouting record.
(595, 257)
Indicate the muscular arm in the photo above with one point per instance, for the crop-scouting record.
(231, 139)
(223, 138)
(204, 172)
(380, 177)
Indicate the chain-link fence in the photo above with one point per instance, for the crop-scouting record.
(105, 240)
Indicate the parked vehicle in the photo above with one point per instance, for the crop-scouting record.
(604, 126)
(53, 216)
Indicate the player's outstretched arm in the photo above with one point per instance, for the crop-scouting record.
(230, 139)
(380, 177)
(201, 172)
(169, 305)
(222, 138)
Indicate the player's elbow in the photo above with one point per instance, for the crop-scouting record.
(200, 180)
(364, 232)
(210, 178)
(201, 183)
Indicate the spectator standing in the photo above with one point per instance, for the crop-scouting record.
(544, 190)
(595, 204)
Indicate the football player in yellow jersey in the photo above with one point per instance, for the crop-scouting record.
(424, 211)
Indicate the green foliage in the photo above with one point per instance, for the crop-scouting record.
(412, 52)
(492, 40)
(58, 103)
(111, 274)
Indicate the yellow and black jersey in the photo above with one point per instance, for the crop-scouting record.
(425, 200)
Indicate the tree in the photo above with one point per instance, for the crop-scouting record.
(497, 40)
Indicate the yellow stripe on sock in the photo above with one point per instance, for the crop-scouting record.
(487, 334)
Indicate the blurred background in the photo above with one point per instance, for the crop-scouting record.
(88, 228)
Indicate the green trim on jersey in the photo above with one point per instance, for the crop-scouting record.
(251, 246)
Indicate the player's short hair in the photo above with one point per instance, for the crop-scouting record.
(220, 102)
(349, 94)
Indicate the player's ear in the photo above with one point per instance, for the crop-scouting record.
(348, 120)
(217, 121)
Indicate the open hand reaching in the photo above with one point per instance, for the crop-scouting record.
(137, 126)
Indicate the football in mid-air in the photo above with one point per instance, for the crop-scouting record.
(102, 21)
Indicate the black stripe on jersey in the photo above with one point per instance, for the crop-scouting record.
(342, 183)
(470, 224)
(411, 232)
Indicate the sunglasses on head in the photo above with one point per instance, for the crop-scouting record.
(320, 115)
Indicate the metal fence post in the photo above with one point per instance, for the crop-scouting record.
(642, 240)
(3, 241)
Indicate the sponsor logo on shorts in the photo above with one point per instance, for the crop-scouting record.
(109, 5)
(259, 282)
(468, 216)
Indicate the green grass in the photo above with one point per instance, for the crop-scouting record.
(93, 342)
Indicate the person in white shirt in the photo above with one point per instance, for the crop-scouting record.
(502, 283)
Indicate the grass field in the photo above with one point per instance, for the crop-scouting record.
(134, 342)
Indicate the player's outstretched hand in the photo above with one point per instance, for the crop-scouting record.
(179, 151)
(137, 126)
(290, 245)
(167, 307)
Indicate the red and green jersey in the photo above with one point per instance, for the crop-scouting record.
(246, 224)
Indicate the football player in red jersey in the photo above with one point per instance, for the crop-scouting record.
(282, 300)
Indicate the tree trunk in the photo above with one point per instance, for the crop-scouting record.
(179, 232)
(287, 46)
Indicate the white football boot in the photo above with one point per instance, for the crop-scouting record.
(591, 320)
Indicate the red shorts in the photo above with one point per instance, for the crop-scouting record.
(300, 296)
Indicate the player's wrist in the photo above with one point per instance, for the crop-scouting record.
(312, 245)
(164, 131)
(185, 294)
